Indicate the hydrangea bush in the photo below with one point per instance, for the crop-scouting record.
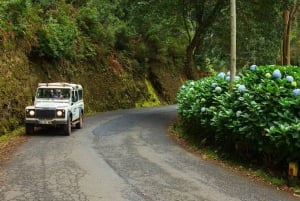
(258, 119)
(197, 101)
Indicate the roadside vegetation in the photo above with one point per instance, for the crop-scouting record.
(257, 122)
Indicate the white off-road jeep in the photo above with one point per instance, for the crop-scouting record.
(56, 104)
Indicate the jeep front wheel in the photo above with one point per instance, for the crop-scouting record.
(79, 125)
(29, 129)
(67, 127)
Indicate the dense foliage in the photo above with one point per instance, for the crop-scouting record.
(258, 120)
(131, 36)
(160, 31)
(157, 31)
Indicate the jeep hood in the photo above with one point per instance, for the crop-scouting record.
(51, 104)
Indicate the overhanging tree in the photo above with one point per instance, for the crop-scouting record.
(199, 16)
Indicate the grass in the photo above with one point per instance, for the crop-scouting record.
(265, 176)
(16, 132)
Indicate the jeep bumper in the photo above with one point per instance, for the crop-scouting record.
(46, 121)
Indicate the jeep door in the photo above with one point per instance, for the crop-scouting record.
(75, 108)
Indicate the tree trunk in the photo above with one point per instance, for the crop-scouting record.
(287, 17)
(189, 63)
(190, 50)
(286, 38)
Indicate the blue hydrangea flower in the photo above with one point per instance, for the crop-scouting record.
(277, 74)
(221, 75)
(237, 78)
(296, 92)
(289, 78)
(242, 88)
(218, 89)
(203, 109)
(214, 85)
(253, 67)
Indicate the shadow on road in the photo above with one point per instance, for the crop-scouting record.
(49, 131)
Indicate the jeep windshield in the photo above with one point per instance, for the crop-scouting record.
(53, 93)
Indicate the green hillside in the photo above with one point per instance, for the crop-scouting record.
(63, 41)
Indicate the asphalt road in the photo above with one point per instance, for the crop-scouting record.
(121, 155)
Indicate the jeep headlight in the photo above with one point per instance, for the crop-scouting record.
(30, 113)
(60, 113)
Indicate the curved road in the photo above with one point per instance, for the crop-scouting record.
(121, 155)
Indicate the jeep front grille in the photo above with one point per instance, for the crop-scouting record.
(45, 114)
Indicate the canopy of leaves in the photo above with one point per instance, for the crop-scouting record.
(146, 31)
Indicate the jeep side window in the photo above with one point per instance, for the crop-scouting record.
(74, 96)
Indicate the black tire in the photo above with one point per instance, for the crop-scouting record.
(79, 125)
(68, 127)
(29, 129)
